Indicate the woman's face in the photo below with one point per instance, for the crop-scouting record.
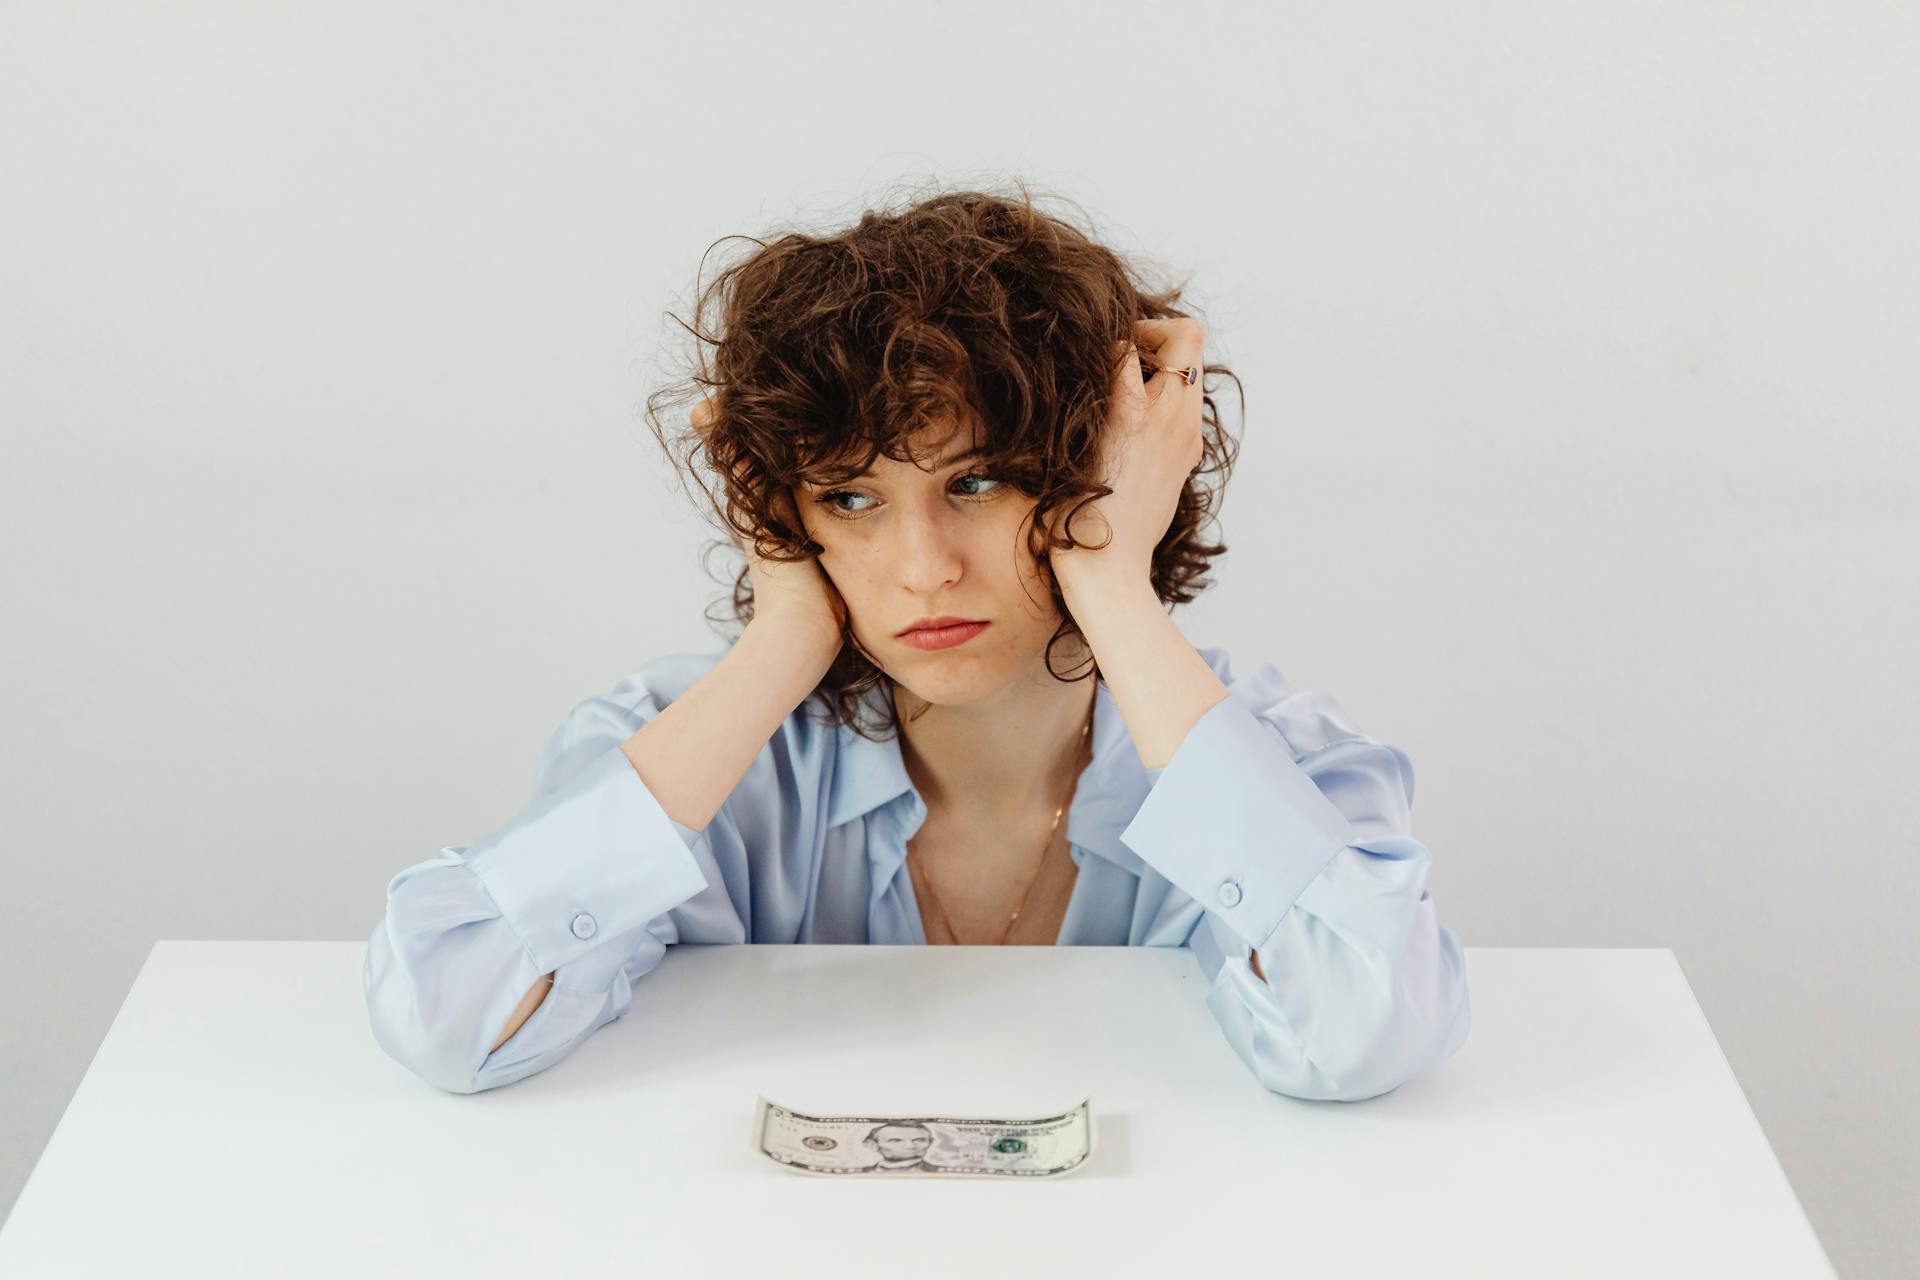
(901, 544)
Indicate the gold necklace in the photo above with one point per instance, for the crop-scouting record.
(927, 878)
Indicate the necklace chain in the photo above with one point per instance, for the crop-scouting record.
(927, 878)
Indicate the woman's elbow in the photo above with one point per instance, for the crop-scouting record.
(438, 1051)
(1418, 1039)
(1366, 1054)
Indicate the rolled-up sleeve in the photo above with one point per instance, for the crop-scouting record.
(1310, 860)
(579, 884)
(597, 853)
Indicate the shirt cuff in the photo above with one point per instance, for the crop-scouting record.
(593, 859)
(1235, 822)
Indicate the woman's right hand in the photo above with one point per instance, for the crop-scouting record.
(795, 598)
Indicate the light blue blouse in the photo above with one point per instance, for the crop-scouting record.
(1275, 825)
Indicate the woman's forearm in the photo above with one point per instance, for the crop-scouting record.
(695, 751)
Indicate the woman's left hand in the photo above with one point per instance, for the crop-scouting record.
(1151, 444)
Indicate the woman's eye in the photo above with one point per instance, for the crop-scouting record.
(831, 500)
(977, 476)
(827, 500)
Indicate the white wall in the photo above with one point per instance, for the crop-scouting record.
(1579, 458)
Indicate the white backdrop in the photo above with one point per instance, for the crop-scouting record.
(1579, 448)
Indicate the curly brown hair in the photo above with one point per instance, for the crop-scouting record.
(816, 353)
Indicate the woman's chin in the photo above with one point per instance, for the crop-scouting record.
(953, 687)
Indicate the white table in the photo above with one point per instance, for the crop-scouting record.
(239, 1120)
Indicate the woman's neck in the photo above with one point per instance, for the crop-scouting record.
(1003, 756)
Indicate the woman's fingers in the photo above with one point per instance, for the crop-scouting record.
(1176, 344)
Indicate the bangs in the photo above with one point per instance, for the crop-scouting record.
(827, 456)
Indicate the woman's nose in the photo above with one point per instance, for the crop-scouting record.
(928, 550)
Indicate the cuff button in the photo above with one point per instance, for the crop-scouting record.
(584, 925)
(1230, 892)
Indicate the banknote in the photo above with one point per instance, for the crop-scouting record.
(929, 1146)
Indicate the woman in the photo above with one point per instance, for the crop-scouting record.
(964, 412)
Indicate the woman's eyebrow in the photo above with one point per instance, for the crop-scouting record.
(947, 461)
(952, 458)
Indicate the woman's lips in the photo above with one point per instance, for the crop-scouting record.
(944, 637)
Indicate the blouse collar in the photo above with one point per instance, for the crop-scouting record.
(869, 776)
